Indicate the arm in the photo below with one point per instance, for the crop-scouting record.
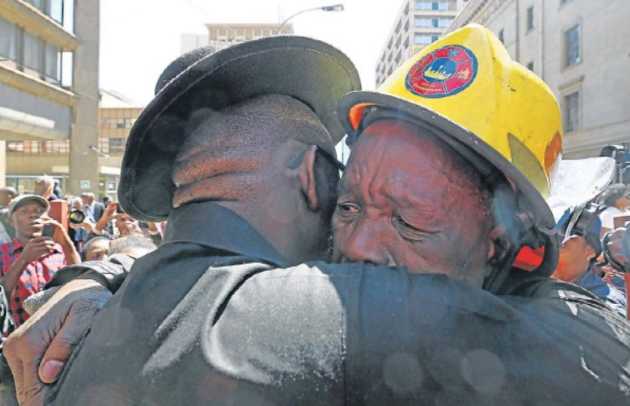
(108, 214)
(33, 250)
(10, 279)
(62, 238)
(397, 336)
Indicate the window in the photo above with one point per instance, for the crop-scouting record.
(424, 5)
(33, 52)
(572, 111)
(530, 66)
(420, 39)
(15, 146)
(117, 145)
(502, 35)
(53, 62)
(8, 39)
(423, 22)
(441, 5)
(434, 38)
(67, 66)
(444, 22)
(39, 4)
(55, 10)
(32, 147)
(530, 18)
(57, 147)
(572, 46)
(103, 145)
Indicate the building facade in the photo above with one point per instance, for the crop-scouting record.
(116, 116)
(224, 35)
(580, 48)
(49, 54)
(418, 24)
(193, 41)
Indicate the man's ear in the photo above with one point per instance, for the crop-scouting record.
(306, 175)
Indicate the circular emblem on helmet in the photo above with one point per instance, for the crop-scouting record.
(444, 72)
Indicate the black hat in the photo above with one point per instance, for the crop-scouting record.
(309, 70)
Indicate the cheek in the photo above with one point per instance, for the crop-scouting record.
(422, 257)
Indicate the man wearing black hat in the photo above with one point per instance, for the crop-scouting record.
(213, 318)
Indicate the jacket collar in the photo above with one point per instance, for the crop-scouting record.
(212, 225)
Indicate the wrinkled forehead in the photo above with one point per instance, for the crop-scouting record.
(406, 163)
(399, 144)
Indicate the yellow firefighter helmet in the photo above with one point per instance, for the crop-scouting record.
(492, 110)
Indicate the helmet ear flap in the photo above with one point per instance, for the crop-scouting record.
(514, 228)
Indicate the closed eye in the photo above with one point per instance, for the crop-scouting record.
(408, 231)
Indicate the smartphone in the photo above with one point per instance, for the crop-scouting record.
(48, 230)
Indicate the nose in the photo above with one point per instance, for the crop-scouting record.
(366, 243)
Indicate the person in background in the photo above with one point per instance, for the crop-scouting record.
(57, 190)
(80, 233)
(96, 249)
(7, 232)
(616, 200)
(581, 246)
(44, 186)
(29, 261)
(92, 208)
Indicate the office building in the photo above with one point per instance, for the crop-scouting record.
(223, 35)
(49, 54)
(418, 24)
(116, 116)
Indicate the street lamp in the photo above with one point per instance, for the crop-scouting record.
(333, 8)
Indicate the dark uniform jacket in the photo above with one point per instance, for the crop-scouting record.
(213, 318)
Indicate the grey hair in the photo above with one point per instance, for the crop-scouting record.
(134, 245)
(46, 179)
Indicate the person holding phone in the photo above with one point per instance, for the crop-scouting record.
(41, 247)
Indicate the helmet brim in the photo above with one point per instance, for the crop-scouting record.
(470, 146)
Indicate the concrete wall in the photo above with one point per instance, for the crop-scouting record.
(603, 77)
(84, 165)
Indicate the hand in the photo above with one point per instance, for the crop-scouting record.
(36, 248)
(87, 226)
(39, 349)
(60, 235)
(110, 210)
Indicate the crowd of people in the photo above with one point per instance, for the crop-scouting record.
(34, 245)
(276, 282)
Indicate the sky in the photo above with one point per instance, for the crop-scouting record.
(139, 38)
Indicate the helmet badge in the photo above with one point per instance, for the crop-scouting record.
(444, 72)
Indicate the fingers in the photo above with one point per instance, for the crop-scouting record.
(49, 336)
(74, 328)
